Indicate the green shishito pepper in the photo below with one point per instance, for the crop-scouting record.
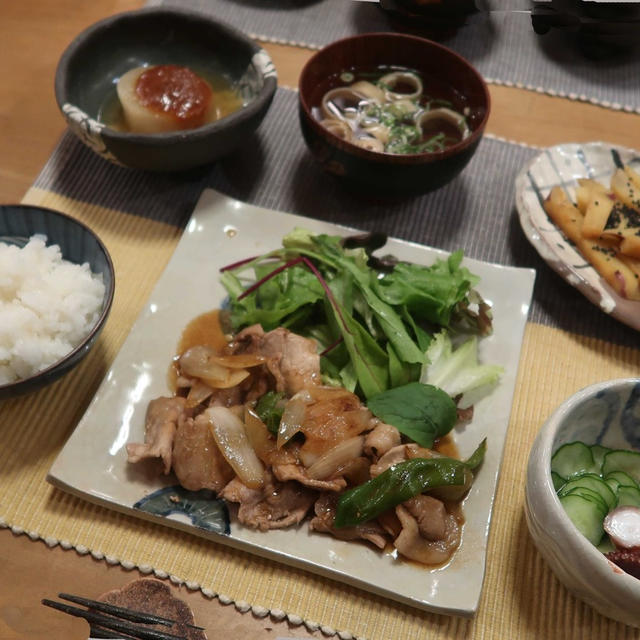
(401, 482)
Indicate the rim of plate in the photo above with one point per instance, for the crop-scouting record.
(585, 278)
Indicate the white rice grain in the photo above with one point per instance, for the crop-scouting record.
(47, 307)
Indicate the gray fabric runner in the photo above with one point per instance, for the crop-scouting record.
(475, 212)
(502, 46)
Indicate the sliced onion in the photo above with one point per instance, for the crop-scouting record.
(328, 463)
(241, 361)
(258, 434)
(320, 393)
(233, 378)
(292, 417)
(197, 362)
(218, 372)
(230, 436)
(198, 393)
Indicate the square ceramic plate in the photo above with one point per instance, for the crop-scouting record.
(93, 463)
(564, 165)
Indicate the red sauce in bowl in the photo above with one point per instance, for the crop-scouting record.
(176, 91)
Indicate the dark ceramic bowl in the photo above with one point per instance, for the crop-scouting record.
(439, 17)
(78, 244)
(379, 173)
(90, 67)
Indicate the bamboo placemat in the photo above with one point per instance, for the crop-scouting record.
(501, 45)
(554, 364)
(475, 212)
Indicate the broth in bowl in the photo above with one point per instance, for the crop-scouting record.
(392, 110)
(390, 114)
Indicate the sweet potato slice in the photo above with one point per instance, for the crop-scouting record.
(600, 253)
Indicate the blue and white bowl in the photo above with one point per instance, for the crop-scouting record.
(78, 244)
(606, 413)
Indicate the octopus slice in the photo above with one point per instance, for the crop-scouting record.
(426, 120)
(627, 559)
(369, 90)
(325, 510)
(160, 428)
(401, 85)
(370, 144)
(338, 128)
(341, 103)
(197, 461)
(276, 505)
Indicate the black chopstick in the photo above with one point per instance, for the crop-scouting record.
(112, 623)
(105, 634)
(123, 612)
(120, 612)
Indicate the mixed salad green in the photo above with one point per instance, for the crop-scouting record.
(386, 329)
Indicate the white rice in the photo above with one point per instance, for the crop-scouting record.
(47, 307)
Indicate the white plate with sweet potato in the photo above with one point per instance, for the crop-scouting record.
(579, 206)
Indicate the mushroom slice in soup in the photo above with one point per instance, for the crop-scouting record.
(341, 103)
(338, 127)
(436, 120)
(400, 85)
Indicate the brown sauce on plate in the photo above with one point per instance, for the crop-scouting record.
(205, 329)
(447, 447)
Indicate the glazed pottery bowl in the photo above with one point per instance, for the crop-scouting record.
(91, 66)
(608, 414)
(437, 17)
(79, 245)
(443, 72)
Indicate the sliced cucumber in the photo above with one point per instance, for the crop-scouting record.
(595, 483)
(622, 460)
(622, 478)
(593, 480)
(613, 483)
(558, 482)
(598, 452)
(606, 545)
(573, 459)
(585, 515)
(591, 495)
(628, 496)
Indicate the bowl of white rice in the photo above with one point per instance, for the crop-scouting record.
(56, 289)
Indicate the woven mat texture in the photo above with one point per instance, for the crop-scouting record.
(34, 428)
(501, 45)
(140, 219)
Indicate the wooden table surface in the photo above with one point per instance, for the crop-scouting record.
(34, 34)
